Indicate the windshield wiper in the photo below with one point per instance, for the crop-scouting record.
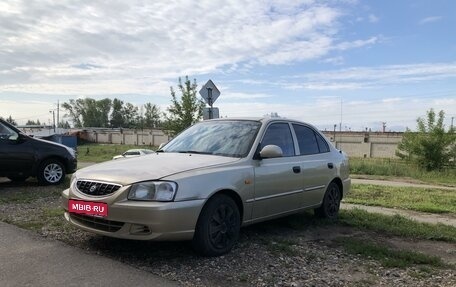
(194, 151)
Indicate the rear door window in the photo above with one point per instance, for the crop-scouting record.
(307, 140)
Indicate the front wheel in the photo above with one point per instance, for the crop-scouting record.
(331, 203)
(51, 172)
(218, 226)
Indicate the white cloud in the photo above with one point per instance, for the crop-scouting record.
(245, 96)
(97, 47)
(430, 19)
(399, 112)
(372, 18)
(369, 77)
(357, 43)
(339, 60)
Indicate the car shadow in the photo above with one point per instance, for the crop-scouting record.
(30, 182)
(5, 182)
(151, 253)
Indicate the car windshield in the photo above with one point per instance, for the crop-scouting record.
(226, 138)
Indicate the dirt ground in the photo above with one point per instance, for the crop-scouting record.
(293, 251)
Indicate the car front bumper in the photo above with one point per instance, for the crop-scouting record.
(139, 220)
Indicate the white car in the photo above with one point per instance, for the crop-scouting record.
(133, 153)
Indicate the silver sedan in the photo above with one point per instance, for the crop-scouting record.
(210, 180)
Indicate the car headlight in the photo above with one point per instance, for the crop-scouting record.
(153, 191)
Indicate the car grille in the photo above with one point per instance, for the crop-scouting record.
(96, 188)
(97, 223)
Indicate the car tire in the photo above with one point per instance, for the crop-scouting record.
(18, 178)
(51, 172)
(331, 203)
(218, 226)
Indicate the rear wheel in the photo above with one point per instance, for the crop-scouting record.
(218, 226)
(51, 172)
(331, 203)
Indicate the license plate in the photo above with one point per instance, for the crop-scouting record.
(88, 207)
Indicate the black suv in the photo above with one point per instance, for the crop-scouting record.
(22, 156)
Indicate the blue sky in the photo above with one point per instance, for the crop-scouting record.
(359, 63)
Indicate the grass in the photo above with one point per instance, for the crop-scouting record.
(386, 256)
(357, 218)
(30, 191)
(48, 218)
(282, 246)
(103, 152)
(397, 225)
(388, 168)
(419, 199)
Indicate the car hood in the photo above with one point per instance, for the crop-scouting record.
(149, 167)
(48, 142)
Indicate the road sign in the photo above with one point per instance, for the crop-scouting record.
(209, 92)
(210, 113)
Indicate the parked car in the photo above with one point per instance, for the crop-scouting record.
(133, 153)
(22, 156)
(210, 180)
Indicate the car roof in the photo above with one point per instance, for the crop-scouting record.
(265, 119)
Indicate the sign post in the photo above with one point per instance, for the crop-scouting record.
(210, 94)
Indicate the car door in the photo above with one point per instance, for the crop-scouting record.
(278, 182)
(317, 169)
(16, 152)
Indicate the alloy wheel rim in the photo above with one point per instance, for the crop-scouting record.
(53, 173)
(333, 201)
(222, 227)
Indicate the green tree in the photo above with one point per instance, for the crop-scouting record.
(33, 123)
(88, 112)
(185, 111)
(74, 109)
(152, 116)
(431, 146)
(11, 120)
(131, 116)
(64, 125)
(117, 118)
(103, 109)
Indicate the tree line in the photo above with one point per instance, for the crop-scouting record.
(183, 112)
(107, 113)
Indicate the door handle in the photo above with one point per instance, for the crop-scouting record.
(296, 169)
(330, 165)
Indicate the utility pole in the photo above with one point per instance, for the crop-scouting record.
(53, 119)
(340, 125)
(384, 126)
(58, 112)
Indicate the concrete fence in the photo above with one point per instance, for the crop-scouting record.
(366, 144)
(124, 136)
(355, 144)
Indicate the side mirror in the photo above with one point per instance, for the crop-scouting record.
(271, 151)
(161, 145)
